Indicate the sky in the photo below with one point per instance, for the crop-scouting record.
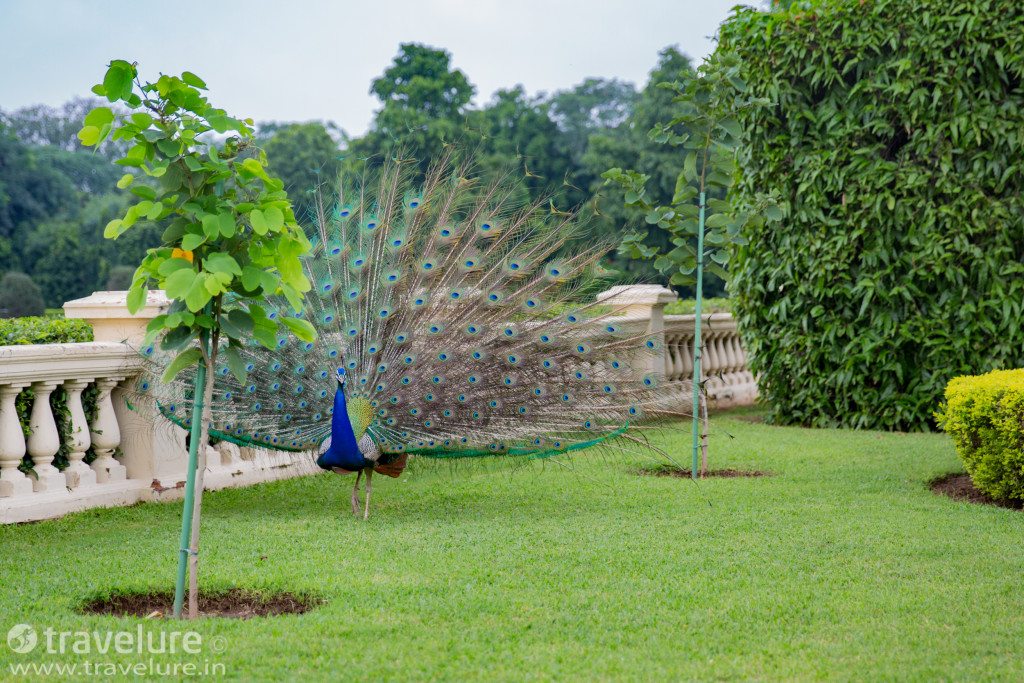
(314, 59)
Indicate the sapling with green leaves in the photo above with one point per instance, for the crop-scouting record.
(231, 239)
(701, 221)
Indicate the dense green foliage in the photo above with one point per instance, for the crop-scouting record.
(843, 566)
(20, 296)
(896, 146)
(985, 417)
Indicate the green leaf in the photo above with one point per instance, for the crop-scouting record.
(113, 229)
(227, 224)
(717, 220)
(259, 223)
(136, 297)
(177, 338)
(89, 135)
(251, 277)
(221, 262)
(193, 80)
(125, 181)
(99, 117)
(211, 226)
(690, 166)
(241, 319)
(236, 363)
(198, 295)
(173, 265)
(274, 217)
(191, 240)
(178, 283)
(732, 127)
(300, 328)
(142, 120)
(118, 80)
(183, 360)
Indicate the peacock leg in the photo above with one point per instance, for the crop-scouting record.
(366, 511)
(355, 494)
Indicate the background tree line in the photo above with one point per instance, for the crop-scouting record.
(56, 197)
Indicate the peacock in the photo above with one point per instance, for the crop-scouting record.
(455, 320)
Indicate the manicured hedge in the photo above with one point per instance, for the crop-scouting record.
(896, 144)
(985, 417)
(16, 331)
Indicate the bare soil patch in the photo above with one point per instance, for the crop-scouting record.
(662, 471)
(232, 604)
(959, 486)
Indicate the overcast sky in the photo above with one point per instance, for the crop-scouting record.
(317, 57)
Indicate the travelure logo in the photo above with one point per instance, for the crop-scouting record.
(22, 638)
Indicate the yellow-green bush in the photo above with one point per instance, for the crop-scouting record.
(985, 416)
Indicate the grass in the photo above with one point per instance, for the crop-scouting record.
(842, 566)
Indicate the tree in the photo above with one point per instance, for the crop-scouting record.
(424, 102)
(231, 240)
(707, 128)
(594, 106)
(630, 146)
(120, 278)
(516, 133)
(19, 296)
(29, 192)
(63, 266)
(40, 125)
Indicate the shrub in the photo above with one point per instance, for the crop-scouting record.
(689, 306)
(20, 296)
(895, 147)
(985, 417)
(17, 331)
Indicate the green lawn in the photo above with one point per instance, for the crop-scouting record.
(842, 566)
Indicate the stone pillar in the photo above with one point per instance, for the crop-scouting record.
(78, 474)
(106, 435)
(44, 441)
(644, 303)
(108, 314)
(13, 481)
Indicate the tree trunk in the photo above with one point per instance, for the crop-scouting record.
(204, 438)
(704, 437)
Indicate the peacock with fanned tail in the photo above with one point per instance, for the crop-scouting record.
(453, 321)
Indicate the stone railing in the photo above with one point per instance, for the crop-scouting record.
(728, 381)
(140, 457)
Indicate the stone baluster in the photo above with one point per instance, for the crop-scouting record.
(678, 348)
(686, 344)
(13, 481)
(105, 435)
(44, 441)
(78, 474)
(735, 365)
(671, 342)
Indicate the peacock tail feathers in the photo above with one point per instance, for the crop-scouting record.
(462, 319)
